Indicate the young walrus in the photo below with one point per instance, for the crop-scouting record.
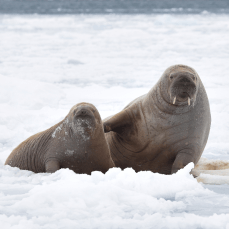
(77, 142)
(165, 129)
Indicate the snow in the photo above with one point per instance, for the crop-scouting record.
(118, 199)
(50, 63)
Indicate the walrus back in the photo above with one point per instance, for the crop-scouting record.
(139, 99)
(29, 155)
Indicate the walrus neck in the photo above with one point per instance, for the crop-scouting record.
(161, 101)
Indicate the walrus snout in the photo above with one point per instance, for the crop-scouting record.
(83, 112)
(183, 87)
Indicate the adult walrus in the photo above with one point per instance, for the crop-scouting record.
(165, 129)
(77, 142)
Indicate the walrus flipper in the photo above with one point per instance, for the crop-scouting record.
(52, 166)
(182, 159)
(117, 122)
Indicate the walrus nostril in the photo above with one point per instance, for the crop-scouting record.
(83, 112)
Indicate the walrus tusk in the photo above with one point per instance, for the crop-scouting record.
(189, 101)
(174, 100)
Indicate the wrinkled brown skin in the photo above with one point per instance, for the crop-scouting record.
(154, 134)
(78, 143)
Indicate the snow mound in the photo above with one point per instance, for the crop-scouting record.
(117, 199)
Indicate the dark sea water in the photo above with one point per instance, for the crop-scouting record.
(113, 6)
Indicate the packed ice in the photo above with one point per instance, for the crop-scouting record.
(50, 63)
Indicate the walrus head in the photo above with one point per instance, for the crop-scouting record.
(182, 84)
(84, 119)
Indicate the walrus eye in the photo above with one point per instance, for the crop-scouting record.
(171, 77)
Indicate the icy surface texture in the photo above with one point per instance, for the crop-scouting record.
(118, 199)
(50, 63)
